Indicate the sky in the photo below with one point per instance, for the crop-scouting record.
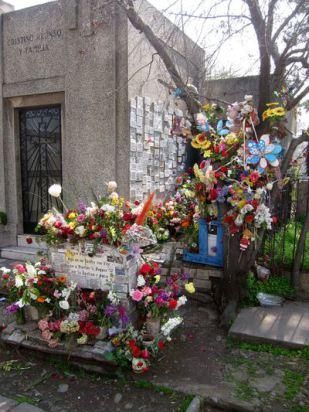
(237, 57)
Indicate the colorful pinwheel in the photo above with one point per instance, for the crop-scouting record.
(263, 153)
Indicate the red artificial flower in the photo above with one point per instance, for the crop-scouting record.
(5, 276)
(224, 153)
(217, 175)
(127, 216)
(172, 304)
(145, 354)
(29, 240)
(145, 269)
(199, 187)
(161, 344)
(275, 219)
(213, 194)
(223, 169)
(136, 352)
(249, 218)
(58, 225)
(217, 149)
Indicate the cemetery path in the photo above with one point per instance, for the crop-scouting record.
(199, 361)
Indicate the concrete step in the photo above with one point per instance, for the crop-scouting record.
(36, 242)
(20, 253)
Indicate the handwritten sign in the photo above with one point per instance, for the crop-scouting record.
(104, 270)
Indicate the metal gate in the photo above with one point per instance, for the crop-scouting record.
(40, 150)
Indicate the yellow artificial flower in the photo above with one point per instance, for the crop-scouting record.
(207, 153)
(195, 144)
(201, 139)
(190, 287)
(231, 139)
(157, 278)
(272, 104)
(279, 111)
(72, 215)
(72, 225)
(242, 203)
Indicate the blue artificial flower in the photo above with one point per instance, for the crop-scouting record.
(263, 153)
(223, 127)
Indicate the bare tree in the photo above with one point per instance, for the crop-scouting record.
(238, 263)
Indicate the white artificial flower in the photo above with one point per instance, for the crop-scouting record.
(47, 300)
(73, 317)
(5, 270)
(170, 325)
(64, 304)
(181, 301)
(31, 271)
(91, 210)
(113, 298)
(41, 272)
(80, 230)
(114, 196)
(108, 208)
(20, 303)
(111, 186)
(19, 281)
(140, 281)
(263, 216)
(247, 208)
(239, 220)
(269, 186)
(55, 190)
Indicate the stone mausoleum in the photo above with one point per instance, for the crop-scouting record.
(80, 104)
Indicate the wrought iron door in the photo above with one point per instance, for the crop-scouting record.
(40, 150)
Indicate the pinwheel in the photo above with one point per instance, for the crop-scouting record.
(263, 153)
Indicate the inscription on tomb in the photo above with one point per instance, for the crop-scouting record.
(30, 43)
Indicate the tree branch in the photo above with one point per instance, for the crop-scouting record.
(296, 99)
(286, 21)
(142, 27)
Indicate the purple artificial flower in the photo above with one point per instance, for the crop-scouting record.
(12, 308)
(185, 276)
(124, 319)
(109, 310)
(169, 281)
(103, 233)
(82, 207)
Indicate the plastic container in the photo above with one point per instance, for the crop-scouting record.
(266, 299)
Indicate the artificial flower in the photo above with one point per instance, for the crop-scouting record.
(55, 190)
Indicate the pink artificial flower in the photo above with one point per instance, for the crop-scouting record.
(83, 316)
(43, 324)
(20, 268)
(53, 343)
(81, 218)
(136, 295)
(54, 326)
(57, 294)
(47, 335)
(146, 291)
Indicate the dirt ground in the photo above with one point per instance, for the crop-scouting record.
(199, 361)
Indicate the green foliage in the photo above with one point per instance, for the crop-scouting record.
(267, 347)
(293, 382)
(185, 403)
(283, 246)
(275, 285)
(3, 218)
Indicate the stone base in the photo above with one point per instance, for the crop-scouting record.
(29, 337)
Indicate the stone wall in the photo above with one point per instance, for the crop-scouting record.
(157, 156)
(82, 55)
(188, 56)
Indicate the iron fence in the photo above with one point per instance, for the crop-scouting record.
(279, 245)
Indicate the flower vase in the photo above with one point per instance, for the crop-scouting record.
(32, 314)
(103, 333)
(20, 317)
(148, 340)
(153, 326)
